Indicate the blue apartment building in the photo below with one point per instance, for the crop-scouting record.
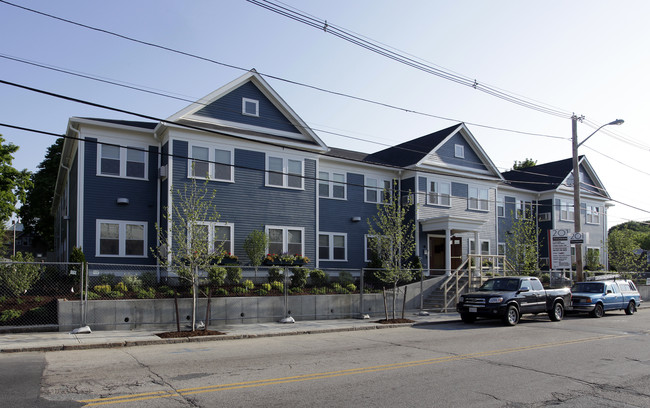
(269, 171)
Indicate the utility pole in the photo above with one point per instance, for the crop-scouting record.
(576, 186)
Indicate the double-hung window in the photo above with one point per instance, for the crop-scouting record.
(211, 237)
(210, 163)
(121, 238)
(373, 246)
(331, 184)
(593, 215)
(478, 199)
(566, 210)
(332, 246)
(378, 190)
(501, 207)
(117, 161)
(284, 172)
(439, 193)
(524, 209)
(286, 240)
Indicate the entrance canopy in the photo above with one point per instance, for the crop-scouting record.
(452, 224)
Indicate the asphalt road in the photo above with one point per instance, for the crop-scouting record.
(579, 362)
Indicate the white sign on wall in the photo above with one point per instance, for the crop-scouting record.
(559, 248)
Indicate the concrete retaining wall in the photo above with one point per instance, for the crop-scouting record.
(129, 314)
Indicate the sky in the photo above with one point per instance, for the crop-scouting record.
(587, 57)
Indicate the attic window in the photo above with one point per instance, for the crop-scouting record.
(250, 107)
(459, 151)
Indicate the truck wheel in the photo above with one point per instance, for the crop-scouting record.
(598, 311)
(512, 316)
(467, 318)
(630, 309)
(557, 313)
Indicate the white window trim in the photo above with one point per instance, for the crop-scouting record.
(501, 204)
(285, 237)
(566, 206)
(331, 183)
(211, 226)
(123, 160)
(285, 171)
(381, 180)
(429, 201)
(121, 238)
(478, 199)
(365, 245)
(244, 101)
(331, 246)
(589, 215)
(521, 206)
(211, 162)
(459, 151)
(470, 241)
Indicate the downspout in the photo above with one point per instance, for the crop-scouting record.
(67, 210)
(158, 190)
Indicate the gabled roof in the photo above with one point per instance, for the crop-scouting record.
(222, 110)
(553, 176)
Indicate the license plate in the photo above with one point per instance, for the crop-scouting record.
(472, 310)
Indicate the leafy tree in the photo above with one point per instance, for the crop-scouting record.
(635, 226)
(520, 165)
(392, 235)
(35, 211)
(18, 277)
(186, 246)
(522, 250)
(255, 246)
(13, 183)
(620, 247)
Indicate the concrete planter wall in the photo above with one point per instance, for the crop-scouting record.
(129, 314)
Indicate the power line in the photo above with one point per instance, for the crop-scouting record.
(375, 47)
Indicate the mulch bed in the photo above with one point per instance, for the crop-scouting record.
(393, 321)
(194, 333)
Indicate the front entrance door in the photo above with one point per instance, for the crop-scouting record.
(436, 255)
(456, 252)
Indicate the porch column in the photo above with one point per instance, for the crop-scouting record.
(448, 252)
(477, 251)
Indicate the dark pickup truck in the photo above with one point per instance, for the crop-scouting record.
(509, 297)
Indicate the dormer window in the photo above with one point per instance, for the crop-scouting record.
(459, 151)
(250, 107)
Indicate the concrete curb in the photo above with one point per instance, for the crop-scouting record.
(226, 337)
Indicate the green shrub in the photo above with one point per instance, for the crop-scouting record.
(10, 314)
(263, 292)
(248, 284)
(149, 279)
(115, 294)
(318, 278)
(146, 293)
(166, 291)
(102, 289)
(121, 286)
(266, 287)
(545, 278)
(233, 275)
(132, 282)
(238, 290)
(299, 277)
(107, 279)
(351, 287)
(339, 289)
(221, 292)
(93, 296)
(3, 299)
(217, 275)
(345, 278)
(319, 291)
(276, 274)
(19, 278)
(295, 291)
(38, 312)
(279, 286)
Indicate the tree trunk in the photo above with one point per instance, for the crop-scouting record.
(195, 291)
(404, 302)
(385, 305)
(394, 298)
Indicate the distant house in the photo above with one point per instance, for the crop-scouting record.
(271, 172)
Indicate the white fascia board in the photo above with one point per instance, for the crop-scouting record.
(117, 126)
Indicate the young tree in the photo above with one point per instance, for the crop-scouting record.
(392, 235)
(621, 244)
(186, 246)
(13, 183)
(35, 211)
(520, 165)
(255, 246)
(522, 248)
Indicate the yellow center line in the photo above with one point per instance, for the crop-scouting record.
(332, 374)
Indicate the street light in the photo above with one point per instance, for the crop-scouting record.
(576, 186)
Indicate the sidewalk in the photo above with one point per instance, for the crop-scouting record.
(55, 341)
